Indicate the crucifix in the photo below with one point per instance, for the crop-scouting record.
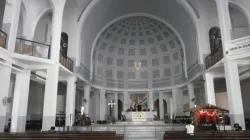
(111, 104)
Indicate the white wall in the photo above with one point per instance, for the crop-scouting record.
(43, 29)
(222, 100)
(69, 26)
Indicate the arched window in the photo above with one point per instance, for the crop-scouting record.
(64, 44)
(215, 38)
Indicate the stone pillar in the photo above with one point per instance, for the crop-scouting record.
(125, 100)
(171, 108)
(234, 94)
(209, 87)
(20, 102)
(56, 30)
(50, 98)
(5, 74)
(224, 21)
(116, 106)
(70, 100)
(10, 22)
(103, 105)
(161, 105)
(87, 98)
(177, 102)
(191, 95)
(151, 101)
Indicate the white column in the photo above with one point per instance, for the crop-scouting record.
(171, 108)
(87, 98)
(103, 111)
(151, 101)
(50, 98)
(125, 97)
(161, 105)
(209, 89)
(5, 74)
(10, 22)
(56, 30)
(234, 94)
(224, 20)
(116, 106)
(191, 95)
(177, 102)
(20, 102)
(70, 100)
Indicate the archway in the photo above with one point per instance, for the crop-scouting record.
(157, 108)
(239, 21)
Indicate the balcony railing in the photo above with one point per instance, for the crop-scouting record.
(214, 57)
(3, 37)
(32, 48)
(66, 62)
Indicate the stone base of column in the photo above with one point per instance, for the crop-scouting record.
(237, 118)
(48, 122)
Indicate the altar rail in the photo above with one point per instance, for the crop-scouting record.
(214, 57)
(32, 48)
(3, 38)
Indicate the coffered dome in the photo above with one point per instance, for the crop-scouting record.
(138, 39)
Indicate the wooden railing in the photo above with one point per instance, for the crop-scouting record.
(32, 48)
(66, 62)
(3, 38)
(214, 57)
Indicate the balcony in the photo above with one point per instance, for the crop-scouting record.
(32, 48)
(214, 57)
(66, 62)
(3, 37)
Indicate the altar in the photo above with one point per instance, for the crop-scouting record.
(140, 116)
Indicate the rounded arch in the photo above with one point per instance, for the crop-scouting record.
(157, 108)
(132, 15)
(93, 4)
(239, 20)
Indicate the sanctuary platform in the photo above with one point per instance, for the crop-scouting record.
(150, 130)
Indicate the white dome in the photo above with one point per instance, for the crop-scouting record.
(138, 39)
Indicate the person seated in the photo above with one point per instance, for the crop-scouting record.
(237, 127)
(189, 128)
(52, 129)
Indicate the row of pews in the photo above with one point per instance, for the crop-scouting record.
(92, 135)
(233, 135)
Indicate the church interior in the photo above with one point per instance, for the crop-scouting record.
(124, 69)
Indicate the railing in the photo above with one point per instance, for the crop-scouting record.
(3, 37)
(32, 48)
(214, 57)
(66, 62)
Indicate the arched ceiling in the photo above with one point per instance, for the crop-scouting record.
(105, 11)
(138, 39)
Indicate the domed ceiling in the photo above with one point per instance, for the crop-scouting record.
(138, 39)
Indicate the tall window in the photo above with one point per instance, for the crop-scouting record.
(215, 38)
(64, 44)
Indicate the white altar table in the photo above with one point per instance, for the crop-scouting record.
(139, 116)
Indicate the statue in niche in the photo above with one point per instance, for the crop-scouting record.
(64, 44)
(215, 38)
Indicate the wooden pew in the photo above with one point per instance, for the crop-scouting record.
(96, 135)
(207, 135)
